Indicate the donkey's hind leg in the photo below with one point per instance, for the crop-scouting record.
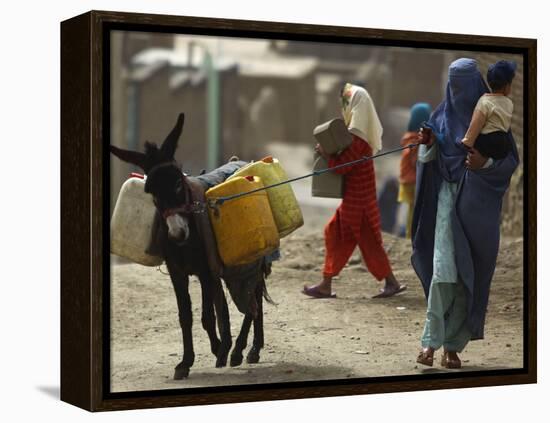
(222, 317)
(240, 343)
(208, 318)
(253, 355)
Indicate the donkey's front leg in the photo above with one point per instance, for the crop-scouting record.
(180, 282)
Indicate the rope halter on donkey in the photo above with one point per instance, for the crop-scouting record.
(194, 207)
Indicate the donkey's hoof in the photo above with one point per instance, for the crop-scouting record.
(215, 347)
(236, 359)
(223, 352)
(221, 362)
(181, 372)
(253, 356)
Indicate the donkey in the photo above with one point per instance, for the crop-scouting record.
(186, 242)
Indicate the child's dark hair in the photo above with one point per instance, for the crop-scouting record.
(498, 84)
(501, 74)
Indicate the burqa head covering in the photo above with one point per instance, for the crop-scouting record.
(360, 115)
(420, 113)
(451, 119)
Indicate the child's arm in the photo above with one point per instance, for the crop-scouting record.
(476, 125)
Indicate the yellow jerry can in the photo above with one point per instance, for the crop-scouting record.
(286, 211)
(244, 227)
(132, 223)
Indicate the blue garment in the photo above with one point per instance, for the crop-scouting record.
(387, 203)
(447, 313)
(446, 318)
(475, 215)
(444, 264)
(420, 113)
(452, 117)
(444, 252)
(501, 73)
(220, 174)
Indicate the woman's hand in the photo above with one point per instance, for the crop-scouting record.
(426, 137)
(475, 160)
(319, 149)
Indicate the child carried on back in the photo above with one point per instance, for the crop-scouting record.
(492, 117)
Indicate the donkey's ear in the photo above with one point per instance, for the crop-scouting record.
(170, 144)
(132, 157)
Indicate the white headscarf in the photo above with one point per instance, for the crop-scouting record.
(360, 116)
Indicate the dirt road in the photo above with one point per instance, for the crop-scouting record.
(306, 339)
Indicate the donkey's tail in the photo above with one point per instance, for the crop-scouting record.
(266, 271)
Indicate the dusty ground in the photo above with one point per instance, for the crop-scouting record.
(306, 339)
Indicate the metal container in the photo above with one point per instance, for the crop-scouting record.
(328, 184)
(333, 136)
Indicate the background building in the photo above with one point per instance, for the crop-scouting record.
(252, 98)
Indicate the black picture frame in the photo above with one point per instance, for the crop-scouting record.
(85, 211)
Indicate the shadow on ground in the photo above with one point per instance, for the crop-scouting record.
(265, 372)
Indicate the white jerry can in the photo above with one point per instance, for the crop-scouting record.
(132, 223)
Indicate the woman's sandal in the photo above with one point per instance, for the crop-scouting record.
(313, 291)
(426, 357)
(450, 363)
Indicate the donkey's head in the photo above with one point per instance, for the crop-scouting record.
(165, 181)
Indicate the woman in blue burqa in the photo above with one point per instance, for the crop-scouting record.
(455, 229)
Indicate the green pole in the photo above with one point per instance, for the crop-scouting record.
(212, 112)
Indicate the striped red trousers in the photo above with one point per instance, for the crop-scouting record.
(357, 219)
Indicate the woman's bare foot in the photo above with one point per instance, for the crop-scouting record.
(391, 287)
(321, 290)
(426, 356)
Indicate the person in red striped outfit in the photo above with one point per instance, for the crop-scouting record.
(357, 219)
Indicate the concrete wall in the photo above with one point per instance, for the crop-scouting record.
(157, 102)
(395, 77)
(296, 98)
(415, 75)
